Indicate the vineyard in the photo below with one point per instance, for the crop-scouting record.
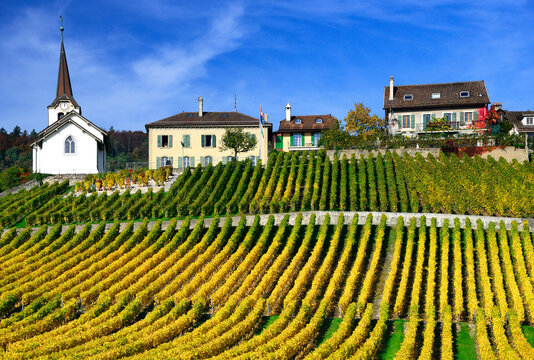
(266, 289)
(299, 181)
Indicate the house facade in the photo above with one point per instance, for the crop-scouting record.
(522, 121)
(192, 138)
(301, 132)
(70, 144)
(409, 108)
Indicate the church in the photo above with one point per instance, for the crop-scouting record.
(70, 144)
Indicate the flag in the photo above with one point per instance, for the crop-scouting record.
(262, 118)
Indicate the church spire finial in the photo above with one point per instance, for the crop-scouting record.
(61, 28)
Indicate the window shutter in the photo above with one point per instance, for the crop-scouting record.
(213, 141)
(400, 122)
(291, 140)
(158, 162)
(425, 121)
(203, 140)
(475, 116)
(192, 161)
(170, 159)
(159, 140)
(202, 161)
(170, 141)
(257, 160)
(179, 162)
(433, 116)
(302, 138)
(224, 160)
(462, 118)
(188, 138)
(412, 121)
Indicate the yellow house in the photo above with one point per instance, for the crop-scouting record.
(302, 132)
(192, 138)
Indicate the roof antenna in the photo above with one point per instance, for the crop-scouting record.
(61, 28)
(235, 103)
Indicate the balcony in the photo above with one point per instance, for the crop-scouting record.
(306, 146)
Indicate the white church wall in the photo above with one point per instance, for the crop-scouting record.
(52, 159)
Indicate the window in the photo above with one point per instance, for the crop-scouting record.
(186, 142)
(70, 145)
(530, 121)
(426, 119)
(208, 141)
(316, 138)
(436, 95)
(468, 117)
(224, 115)
(252, 137)
(189, 115)
(448, 116)
(59, 115)
(298, 121)
(229, 158)
(405, 121)
(464, 94)
(165, 141)
(408, 97)
(165, 161)
(253, 159)
(207, 160)
(297, 139)
(186, 161)
(318, 121)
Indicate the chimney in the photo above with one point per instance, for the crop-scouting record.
(288, 112)
(497, 105)
(390, 88)
(200, 106)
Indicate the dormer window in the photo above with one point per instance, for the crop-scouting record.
(436, 95)
(318, 121)
(408, 97)
(189, 115)
(464, 94)
(529, 120)
(224, 115)
(298, 121)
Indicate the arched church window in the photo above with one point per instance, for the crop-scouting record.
(60, 115)
(70, 145)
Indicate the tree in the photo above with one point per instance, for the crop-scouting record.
(359, 122)
(237, 140)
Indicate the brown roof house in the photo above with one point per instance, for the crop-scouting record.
(301, 132)
(522, 121)
(192, 138)
(409, 108)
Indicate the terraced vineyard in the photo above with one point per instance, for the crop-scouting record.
(266, 289)
(308, 181)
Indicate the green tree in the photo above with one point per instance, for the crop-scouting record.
(9, 178)
(237, 140)
(360, 122)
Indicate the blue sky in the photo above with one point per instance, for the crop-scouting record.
(133, 62)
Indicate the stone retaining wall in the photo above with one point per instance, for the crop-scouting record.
(509, 153)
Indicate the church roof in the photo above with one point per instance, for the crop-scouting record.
(50, 129)
(64, 88)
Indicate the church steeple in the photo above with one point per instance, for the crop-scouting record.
(64, 100)
(63, 78)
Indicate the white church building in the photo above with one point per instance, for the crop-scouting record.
(70, 144)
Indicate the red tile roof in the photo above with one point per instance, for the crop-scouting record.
(308, 123)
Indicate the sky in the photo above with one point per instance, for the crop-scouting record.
(133, 62)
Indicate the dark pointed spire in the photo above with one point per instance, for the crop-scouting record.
(64, 89)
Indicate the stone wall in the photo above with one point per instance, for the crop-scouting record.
(30, 184)
(509, 153)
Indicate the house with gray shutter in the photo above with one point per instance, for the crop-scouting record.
(409, 108)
